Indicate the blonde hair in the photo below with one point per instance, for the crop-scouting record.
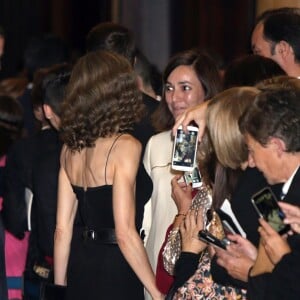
(223, 114)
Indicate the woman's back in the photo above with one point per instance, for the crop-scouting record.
(93, 167)
(92, 173)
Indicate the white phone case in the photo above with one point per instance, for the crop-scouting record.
(185, 149)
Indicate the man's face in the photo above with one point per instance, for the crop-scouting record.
(259, 45)
(262, 47)
(265, 158)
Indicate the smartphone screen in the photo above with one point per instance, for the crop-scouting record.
(265, 203)
(184, 149)
(193, 177)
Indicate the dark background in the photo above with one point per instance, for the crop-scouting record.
(223, 26)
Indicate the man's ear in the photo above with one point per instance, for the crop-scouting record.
(284, 49)
(47, 111)
(278, 145)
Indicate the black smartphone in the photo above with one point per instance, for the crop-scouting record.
(207, 237)
(228, 228)
(265, 203)
(228, 224)
(184, 149)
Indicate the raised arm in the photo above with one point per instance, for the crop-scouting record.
(182, 196)
(130, 243)
(196, 114)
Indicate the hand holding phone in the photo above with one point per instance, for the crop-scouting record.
(207, 237)
(184, 149)
(265, 204)
(193, 178)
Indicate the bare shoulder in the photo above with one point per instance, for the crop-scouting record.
(127, 141)
(127, 147)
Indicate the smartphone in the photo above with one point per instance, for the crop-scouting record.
(207, 237)
(265, 203)
(184, 149)
(193, 177)
(229, 225)
(228, 228)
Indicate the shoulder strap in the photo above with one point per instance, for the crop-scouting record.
(109, 154)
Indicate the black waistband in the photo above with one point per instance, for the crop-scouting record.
(102, 236)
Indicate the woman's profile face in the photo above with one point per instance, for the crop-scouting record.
(183, 90)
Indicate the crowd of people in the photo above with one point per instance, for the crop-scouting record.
(90, 205)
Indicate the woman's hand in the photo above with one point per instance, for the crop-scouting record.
(181, 194)
(275, 245)
(292, 215)
(189, 230)
(196, 114)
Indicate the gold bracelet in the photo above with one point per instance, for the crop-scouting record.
(178, 215)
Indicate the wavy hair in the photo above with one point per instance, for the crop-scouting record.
(102, 99)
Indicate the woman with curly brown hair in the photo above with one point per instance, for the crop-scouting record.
(98, 253)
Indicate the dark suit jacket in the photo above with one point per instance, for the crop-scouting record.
(250, 182)
(283, 282)
(144, 129)
(17, 176)
(30, 122)
(34, 163)
(44, 187)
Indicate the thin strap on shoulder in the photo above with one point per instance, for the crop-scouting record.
(109, 154)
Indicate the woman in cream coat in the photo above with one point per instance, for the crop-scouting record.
(190, 78)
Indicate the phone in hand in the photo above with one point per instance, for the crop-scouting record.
(265, 203)
(193, 177)
(228, 228)
(207, 237)
(185, 149)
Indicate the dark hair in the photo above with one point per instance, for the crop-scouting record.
(13, 86)
(41, 77)
(43, 52)
(283, 27)
(54, 86)
(11, 122)
(102, 99)
(271, 12)
(112, 37)
(274, 113)
(148, 72)
(249, 70)
(225, 182)
(207, 73)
